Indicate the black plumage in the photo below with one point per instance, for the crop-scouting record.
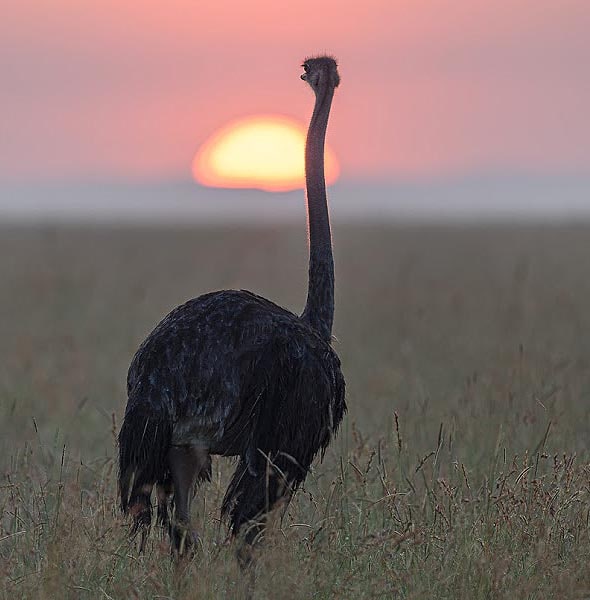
(233, 374)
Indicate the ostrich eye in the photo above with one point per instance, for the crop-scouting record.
(305, 68)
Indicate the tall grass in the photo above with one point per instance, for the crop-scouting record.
(461, 471)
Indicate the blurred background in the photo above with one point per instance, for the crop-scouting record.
(447, 110)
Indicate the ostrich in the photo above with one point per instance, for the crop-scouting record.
(232, 374)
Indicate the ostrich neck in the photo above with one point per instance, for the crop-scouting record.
(319, 309)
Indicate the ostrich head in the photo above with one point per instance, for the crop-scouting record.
(320, 71)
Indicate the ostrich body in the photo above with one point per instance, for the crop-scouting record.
(233, 374)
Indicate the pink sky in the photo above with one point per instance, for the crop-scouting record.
(104, 90)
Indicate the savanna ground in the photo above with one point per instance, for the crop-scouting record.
(462, 469)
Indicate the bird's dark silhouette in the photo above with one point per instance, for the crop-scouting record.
(233, 374)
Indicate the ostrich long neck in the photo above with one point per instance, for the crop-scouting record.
(319, 309)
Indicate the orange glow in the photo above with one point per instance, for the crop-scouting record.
(264, 152)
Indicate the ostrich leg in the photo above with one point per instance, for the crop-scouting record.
(188, 464)
(251, 497)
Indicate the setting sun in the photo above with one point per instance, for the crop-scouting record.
(264, 152)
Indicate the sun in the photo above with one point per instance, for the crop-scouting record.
(262, 151)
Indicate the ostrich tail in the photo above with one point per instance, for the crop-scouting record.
(144, 441)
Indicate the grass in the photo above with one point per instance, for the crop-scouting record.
(461, 471)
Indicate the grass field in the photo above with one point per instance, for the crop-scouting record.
(462, 469)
